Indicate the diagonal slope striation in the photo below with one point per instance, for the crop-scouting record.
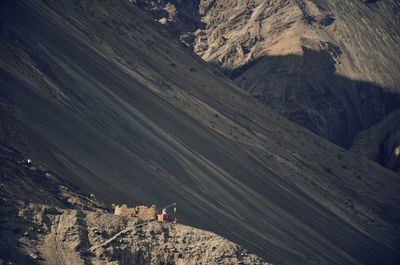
(105, 97)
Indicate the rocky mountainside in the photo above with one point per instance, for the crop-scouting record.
(381, 143)
(45, 220)
(102, 96)
(332, 67)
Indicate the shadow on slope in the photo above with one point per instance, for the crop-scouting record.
(380, 142)
(306, 90)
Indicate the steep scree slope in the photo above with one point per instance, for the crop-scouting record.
(99, 94)
(330, 66)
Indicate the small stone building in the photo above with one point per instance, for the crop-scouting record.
(141, 211)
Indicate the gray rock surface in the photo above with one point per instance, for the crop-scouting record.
(381, 143)
(332, 67)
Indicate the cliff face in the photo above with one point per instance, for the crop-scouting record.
(102, 96)
(331, 67)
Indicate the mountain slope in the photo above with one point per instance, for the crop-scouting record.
(46, 220)
(99, 94)
(331, 67)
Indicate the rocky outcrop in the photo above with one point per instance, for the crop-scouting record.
(116, 240)
(45, 220)
(328, 66)
(30, 195)
(381, 143)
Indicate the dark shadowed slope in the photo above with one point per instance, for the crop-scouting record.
(106, 98)
(306, 90)
(381, 143)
